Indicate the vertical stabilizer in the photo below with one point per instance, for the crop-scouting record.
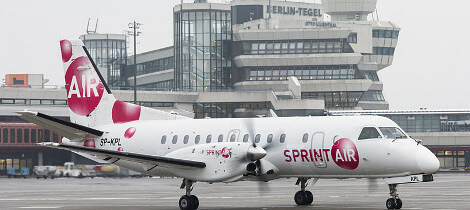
(89, 97)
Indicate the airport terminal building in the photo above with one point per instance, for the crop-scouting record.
(237, 60)
(255, 46)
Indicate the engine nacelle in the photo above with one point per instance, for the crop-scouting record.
(223, 161)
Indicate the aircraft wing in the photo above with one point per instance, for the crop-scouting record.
(72, 131)
(135, 157)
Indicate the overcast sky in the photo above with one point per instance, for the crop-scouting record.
(430, 68)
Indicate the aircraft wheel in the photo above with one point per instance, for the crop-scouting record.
(398, 203)
(196, 201)
(391, 203)
(300, 197)
(186, 203)
(309, 198)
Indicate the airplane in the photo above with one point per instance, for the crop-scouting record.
(158, 143)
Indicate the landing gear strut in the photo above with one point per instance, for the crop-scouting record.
(303, 197)
(188, 201)
(394, 202)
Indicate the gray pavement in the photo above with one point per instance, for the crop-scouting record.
(448, 191)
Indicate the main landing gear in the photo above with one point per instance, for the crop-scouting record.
(188, 201)
(394, 202)
(303, 197)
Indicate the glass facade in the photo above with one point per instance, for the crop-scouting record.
(110, 56)
(226, 110)
(304, 73)
(380, 33)
(372, 75)
(34, 101)
(162, 85)
(453, 159)
(433, 122)
(335, 99)
(155, 65)
(202, 49)
(294, 47)
(373, 95)
(352, 38)
(383, 50)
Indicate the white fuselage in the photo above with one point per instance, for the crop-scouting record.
(312, 146)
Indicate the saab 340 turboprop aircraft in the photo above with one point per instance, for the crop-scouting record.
(157, 143)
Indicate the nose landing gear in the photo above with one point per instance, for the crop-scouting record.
(188, 201)
(394, 202)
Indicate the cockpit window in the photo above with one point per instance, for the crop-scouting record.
(392, 133)
(369, 133)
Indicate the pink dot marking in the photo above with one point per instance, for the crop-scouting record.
(129, 132)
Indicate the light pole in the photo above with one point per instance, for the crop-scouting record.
(135, 33)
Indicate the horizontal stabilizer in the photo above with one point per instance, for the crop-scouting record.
(72, 131)
(134, 157)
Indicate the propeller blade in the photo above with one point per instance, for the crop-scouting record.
(263, 187)
(372, 185)
(251, 130)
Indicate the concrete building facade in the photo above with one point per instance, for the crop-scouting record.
(250, 45)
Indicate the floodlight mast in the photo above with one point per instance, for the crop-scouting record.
(135, 33)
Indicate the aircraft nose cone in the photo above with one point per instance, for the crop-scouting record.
(427, 161)
(256, 153)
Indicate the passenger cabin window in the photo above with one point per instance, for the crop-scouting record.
(245, 138)
(197, 139)
(257, 138)
(270, 138)
(392, 133)
(163, 139)
(186, 139)
(282, 138)
(232, 138)
(305, 138)
(209, 138)
(221, 138)
(369, 133)
(175, 139)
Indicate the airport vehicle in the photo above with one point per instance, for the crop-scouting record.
(228, 150)
(45, 171)
(77, 171)
(71, 171)
(23, 172)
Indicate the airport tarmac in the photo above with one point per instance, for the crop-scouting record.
(448, 191)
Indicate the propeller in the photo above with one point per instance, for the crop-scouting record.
(263, 185)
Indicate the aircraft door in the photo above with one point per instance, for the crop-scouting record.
(318, 149)
(233, 135)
